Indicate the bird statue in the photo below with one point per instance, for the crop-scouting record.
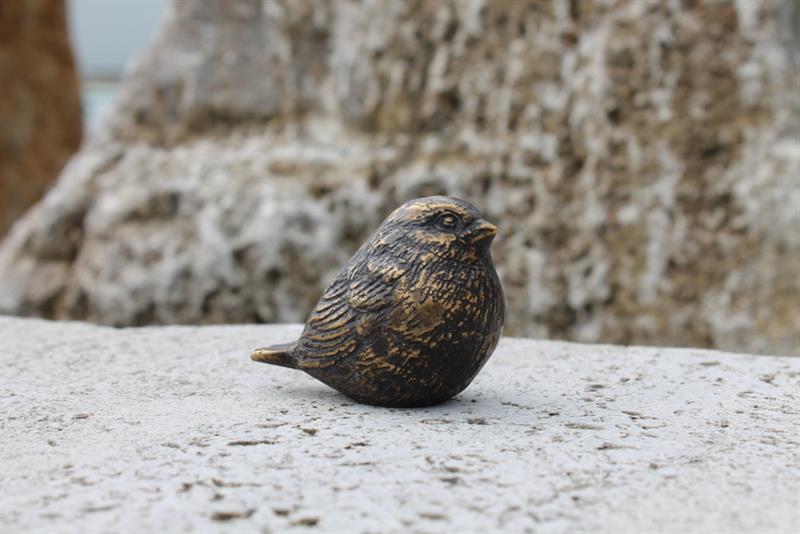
(412, 317)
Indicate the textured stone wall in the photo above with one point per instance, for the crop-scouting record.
(40, 110)
(641, 159)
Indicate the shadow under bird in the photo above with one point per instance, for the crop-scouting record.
(414, 314)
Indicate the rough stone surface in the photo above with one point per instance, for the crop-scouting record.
(39, 102)
(640, 157)
(166, 429)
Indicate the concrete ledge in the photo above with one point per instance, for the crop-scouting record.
(174, 429)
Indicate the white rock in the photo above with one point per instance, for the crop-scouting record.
(640, 161)
(171, 428)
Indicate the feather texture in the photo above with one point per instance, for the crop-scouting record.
(415, 313)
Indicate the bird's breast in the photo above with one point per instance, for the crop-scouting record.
(436, 297)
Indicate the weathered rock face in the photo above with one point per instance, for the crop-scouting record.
(39, 102)
(641, 159)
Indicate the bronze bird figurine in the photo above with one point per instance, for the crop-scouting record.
(412, 317)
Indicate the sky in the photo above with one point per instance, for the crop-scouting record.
(106, 34)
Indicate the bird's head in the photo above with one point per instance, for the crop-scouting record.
(447, 227)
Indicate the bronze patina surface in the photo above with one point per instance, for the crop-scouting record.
(412, 317)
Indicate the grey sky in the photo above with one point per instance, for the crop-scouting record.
(107, 33)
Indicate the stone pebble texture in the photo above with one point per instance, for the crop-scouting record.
(167, 429)
(40, 108)
(641, 158)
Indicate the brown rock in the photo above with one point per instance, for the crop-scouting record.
(641, 158)
(39, 102)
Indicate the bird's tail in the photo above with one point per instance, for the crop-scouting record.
(276, 355)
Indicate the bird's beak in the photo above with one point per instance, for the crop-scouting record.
(482, 231)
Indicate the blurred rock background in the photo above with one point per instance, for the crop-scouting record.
(641, 158)
(40, 113)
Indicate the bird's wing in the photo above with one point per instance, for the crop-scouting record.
(348, 309)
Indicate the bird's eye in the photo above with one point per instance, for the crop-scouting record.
(446, 221)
